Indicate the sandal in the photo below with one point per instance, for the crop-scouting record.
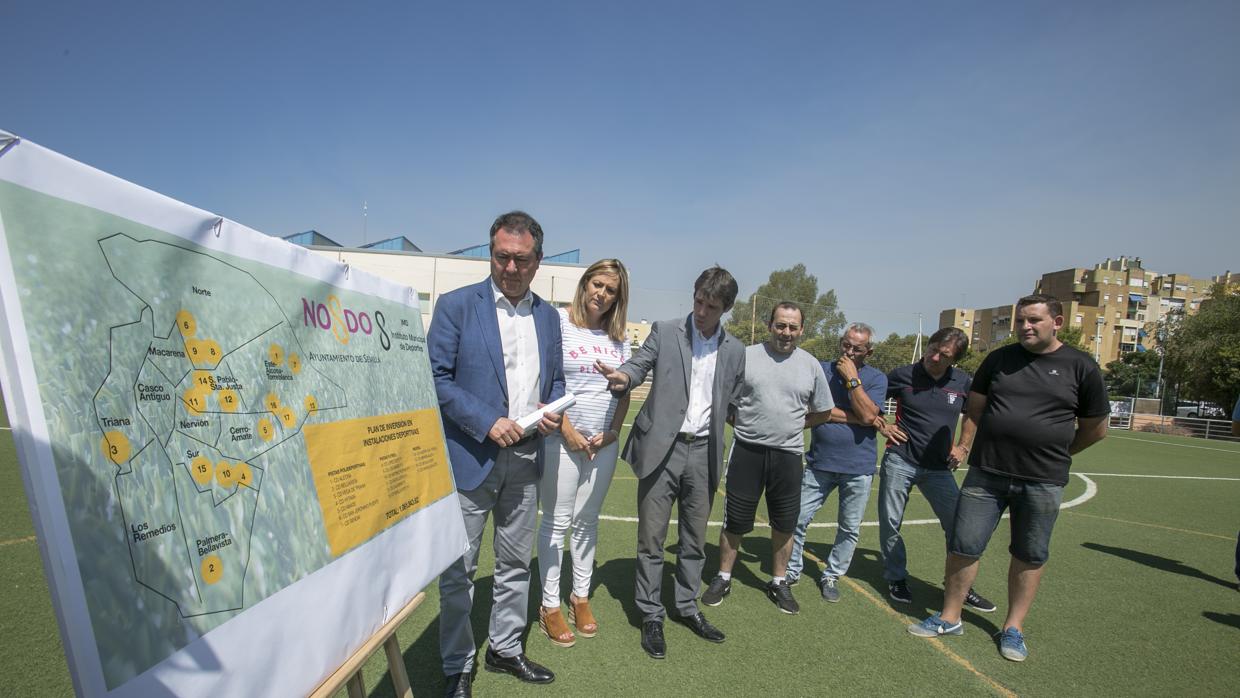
(582, 617)
(551, 622)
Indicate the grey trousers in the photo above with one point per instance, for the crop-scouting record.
(511, 492)
(683, 478)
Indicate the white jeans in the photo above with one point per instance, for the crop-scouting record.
(571, 495)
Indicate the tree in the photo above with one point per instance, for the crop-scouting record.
(1203, 353)
(895, 351)
(823, 318)
(1072, 337)
(1133, 374)
(973, 359)
(1164, 330)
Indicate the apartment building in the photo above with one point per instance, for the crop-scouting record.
(985, 326)
(1117, 304)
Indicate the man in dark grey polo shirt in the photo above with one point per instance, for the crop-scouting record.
(929, 395)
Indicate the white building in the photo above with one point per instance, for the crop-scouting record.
(433, 275)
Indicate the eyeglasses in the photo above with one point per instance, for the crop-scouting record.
(942, 354)
(845, 345)
(520, 261)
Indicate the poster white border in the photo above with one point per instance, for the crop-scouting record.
(316, 629)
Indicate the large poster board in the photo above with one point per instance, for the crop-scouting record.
(232, 447)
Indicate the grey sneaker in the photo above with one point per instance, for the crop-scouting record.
(898, 591)
(719, 588)
(935, 626)
(977, 602)
(1012, 645)
(781, 594)
(830, 590)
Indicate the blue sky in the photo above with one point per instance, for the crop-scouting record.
(915, 156)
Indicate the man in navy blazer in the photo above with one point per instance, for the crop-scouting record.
(495, 354)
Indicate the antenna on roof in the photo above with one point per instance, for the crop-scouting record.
(363, 222)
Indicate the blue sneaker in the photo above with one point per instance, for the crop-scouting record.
(935, 626)
(1012, 645)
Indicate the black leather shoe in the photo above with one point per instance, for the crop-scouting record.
(702, 627)
(519, 666)
(459, 686)
(652, 639)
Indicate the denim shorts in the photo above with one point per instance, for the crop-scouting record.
(983, 498)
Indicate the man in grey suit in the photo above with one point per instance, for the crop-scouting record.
(676, 446)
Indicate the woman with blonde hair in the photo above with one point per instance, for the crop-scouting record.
(578, 462)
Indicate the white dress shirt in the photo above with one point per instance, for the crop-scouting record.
(701, 381)
(520, 349)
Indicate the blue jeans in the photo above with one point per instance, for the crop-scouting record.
(984, 496)
(895, 482)
(816, 486)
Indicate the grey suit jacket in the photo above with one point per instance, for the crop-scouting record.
(669, 353)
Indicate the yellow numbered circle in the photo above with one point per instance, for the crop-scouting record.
(115, 447)
(195, 401)
(214, 353)
(212, 569)
(196, 350)
(228, 400)
(275, 354)
(203, 380)
(186, 323)
(272, 402)
(288, 417)
(311, 404)
(294, 363)
(226, 474)
(244, 475)
(265, 429)
(201, 470)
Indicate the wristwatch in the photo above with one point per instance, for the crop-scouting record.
(853, 383)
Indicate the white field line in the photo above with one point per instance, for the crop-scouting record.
(1164, 477)
(1148, 441)
(1166, 443)
(1091, 491)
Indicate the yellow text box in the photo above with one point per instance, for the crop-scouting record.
(372, 472)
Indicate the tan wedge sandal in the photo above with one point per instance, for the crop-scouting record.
(582, 617)
(551, 622)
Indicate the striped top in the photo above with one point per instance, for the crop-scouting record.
(595, 405)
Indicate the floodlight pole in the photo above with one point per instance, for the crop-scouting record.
(1158, 381)
(917, 344)
(1101, 322)
(753, 319)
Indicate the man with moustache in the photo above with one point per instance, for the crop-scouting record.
(842, 456)
(782, 385)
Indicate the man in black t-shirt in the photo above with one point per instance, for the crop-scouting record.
(929, 395)
(1032, 406)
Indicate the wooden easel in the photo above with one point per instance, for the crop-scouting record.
(350, 673)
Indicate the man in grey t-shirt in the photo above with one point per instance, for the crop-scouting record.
(783, 384)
